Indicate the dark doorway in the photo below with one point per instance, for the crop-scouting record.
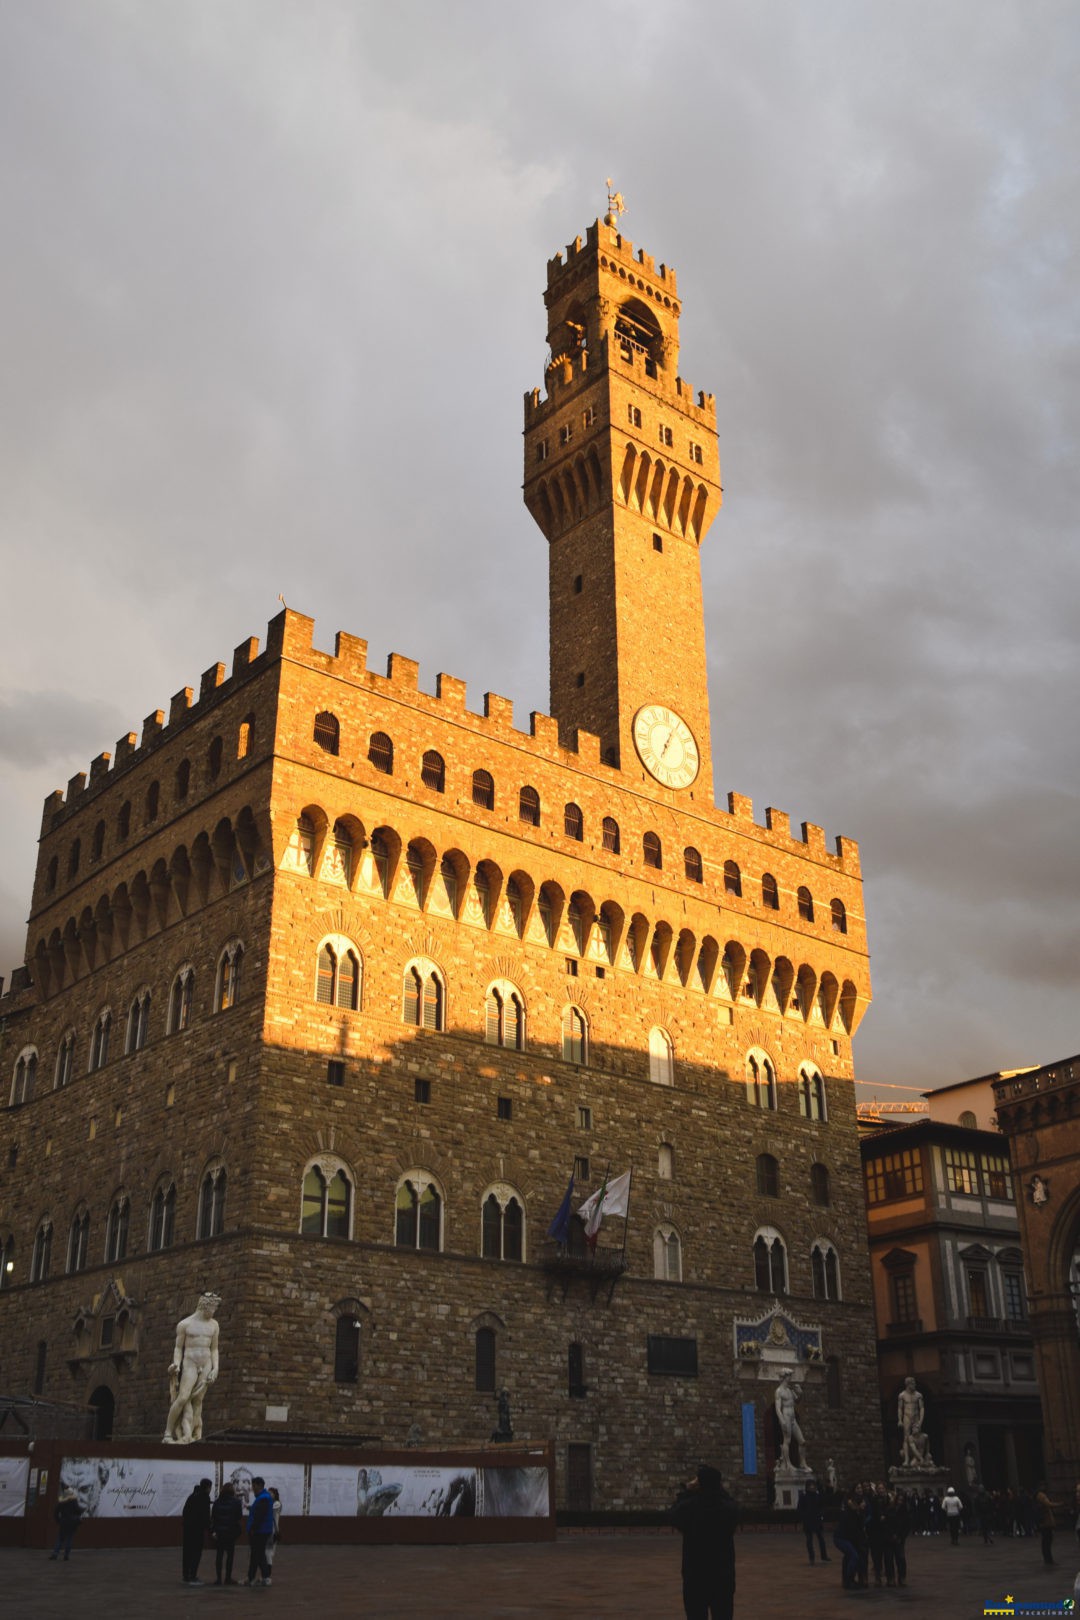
(103, 1403)
(579, 1478)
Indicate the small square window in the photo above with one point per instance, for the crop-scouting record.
(571, 967)
(601, 973)
(657, 543)
(836, 1048)
(581, 678)
(590, 415)
(581, 1169)
(108, 1325)
(584, 1117)
(422, 1091)
(579, 581)
(335, 1072)
(506, 1108)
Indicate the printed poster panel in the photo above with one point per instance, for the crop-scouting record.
(287, 1478)
(14, 1477)
(125, 1488)
(512, 1493)
(393, 1491)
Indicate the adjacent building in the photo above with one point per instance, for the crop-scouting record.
(950, 1292)
(331, 980)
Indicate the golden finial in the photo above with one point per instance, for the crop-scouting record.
(615, 206)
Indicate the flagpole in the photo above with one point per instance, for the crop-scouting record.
(626, 1218)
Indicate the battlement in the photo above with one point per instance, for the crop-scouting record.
(566, 376)
(290, 637)
(616, 252)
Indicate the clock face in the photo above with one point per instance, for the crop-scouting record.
(666, 746)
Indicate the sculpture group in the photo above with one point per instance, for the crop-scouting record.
(193, 1368)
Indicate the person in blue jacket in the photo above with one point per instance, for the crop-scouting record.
(260, 1527)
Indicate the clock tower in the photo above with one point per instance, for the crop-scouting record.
(622, 474)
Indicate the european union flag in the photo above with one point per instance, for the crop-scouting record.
(560, 1226)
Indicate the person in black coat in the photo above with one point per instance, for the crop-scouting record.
(705, 1516)
(226, 1523)
(812, 1519)
(67, 1514)
(196, 1524)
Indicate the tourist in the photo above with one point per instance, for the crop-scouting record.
(260, 1527)
(226, 1523)
(1046, 1510)
(705, 1516)
(952, 1507)
(271, 1545)
(849, 1539)
(196, 1524)
(67, 1514)
(811, 1517)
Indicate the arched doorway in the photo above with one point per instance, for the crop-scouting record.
(103, 1404)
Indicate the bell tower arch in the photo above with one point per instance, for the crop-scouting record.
(622, 475)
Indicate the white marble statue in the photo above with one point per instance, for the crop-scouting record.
(194, 1366)
(830, 1474)
(910, 1412)
(784, 1402)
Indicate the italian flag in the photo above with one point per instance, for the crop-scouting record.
(612, 1199)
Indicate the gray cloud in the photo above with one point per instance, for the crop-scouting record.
(273, 294)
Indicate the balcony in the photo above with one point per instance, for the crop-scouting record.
(985, 1324)
(899, 1330)
(600, 1269)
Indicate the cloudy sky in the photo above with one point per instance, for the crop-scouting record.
(271, 293)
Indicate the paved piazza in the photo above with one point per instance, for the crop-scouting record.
(583, 1575)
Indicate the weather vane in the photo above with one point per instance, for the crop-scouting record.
(615, 205)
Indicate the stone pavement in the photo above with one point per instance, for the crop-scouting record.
(583, 1575)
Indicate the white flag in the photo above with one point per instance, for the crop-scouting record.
(612, 1199)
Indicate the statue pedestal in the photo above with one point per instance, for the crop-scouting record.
(789, 1483)
(910, 1478)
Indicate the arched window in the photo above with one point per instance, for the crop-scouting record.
(162, 1217)
(514, 905)
(483, 789)
(529, 807)
(65, 1061)
(692, 865)
(51, 873)
(138, 1023)
(214, 757)
(819, 1184)
(651, 853)
(78, 1241)
(337, 862)
(811, 1092)
(74, 856)
(839, 917)
(7, 1262)
(215, 1185)
(41, 1254)
(573, 822)
(806, 904)
(123, 820)
(825, 1269)
(327, 732)
(968, 1120)
(485, 1360)
(99, 1040)
(661, 1058)
(25, 1076)
(381, 752)
(768, 1176)
(611, 835)
(418, 1213)
(502, 1224)
(732, 879)
(347, 1348)
(116, 1229)
(770, 892)
(183, 780)
(300, 855)
(338, 974)
(245, 737)
(230, 963)
(433, 771)
(98, 843)
(667, 1254)
(770, 1262)
(180, 1000)
(153, 801)
(574, 1035)
(424, 995)
(504, 1016)
(326, 1206)
(760, 1080)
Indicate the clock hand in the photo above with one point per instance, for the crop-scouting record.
(664, 750)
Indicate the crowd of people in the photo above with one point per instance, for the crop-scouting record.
(221, 1521)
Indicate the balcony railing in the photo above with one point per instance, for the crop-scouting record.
(897, 1330)
(985, 1324)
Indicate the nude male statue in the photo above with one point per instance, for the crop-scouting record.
(787, 1394)
(193, 1367)
(910, 1412)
